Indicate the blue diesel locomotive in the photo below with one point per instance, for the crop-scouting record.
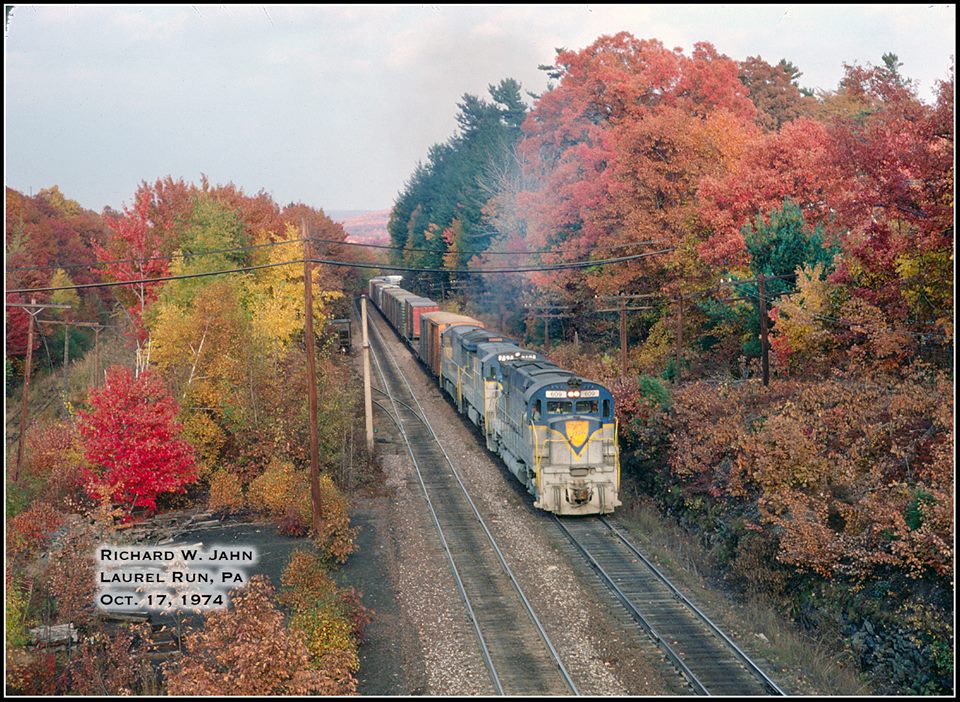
(555, 431)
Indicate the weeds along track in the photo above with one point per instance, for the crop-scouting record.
(707, 658)
(519, 655)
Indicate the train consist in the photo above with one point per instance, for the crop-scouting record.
(554, 430)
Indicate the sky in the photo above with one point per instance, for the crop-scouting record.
(334, 105)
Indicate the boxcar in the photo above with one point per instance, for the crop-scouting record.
(382, 280)
(432, 325)
(393, 307)
(414, 307)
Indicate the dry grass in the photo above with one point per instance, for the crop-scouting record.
(798, 663)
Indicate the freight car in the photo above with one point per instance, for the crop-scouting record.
(554, 430)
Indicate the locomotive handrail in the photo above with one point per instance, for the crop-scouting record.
(616, 445)
(536, 455)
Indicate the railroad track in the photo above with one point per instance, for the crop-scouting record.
(518, 654)
(706, 657)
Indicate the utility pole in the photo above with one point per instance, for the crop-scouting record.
(26, 388)
(764, 346)
(311, 377)
(367, 396)
(96, 326)
(66, 357)
(623, 338)
(33, 309)
(96, 356)
(549, 312)
(679, 336)
(622, 310)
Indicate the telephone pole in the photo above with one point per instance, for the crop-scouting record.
(311, 377)
(623, 309)
(96, 356)
(764, 345)
(33, 309)
(66, 345)
(549, 312)
(679, 336)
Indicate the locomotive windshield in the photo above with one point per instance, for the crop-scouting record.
(587, 407)
(558, 407)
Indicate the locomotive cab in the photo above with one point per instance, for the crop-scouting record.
(576, 463)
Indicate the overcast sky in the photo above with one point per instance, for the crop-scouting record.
(334, 105)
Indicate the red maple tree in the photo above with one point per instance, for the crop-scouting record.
(132, 440)
(134, 253)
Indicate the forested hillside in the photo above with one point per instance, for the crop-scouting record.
(744, 202)
(209, 411)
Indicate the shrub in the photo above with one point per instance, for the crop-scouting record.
(71, 576)
(104, 665)
(246, 650)
(56, 461)
(15, 615)
(50, 446)
(33, 673)
(336, 536)
(285, 494)
(305, 581)
(270, 491)
(292, 524)
(331, 621)
(32, 529)
(226, 494)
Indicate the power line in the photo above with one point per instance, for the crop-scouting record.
(240, 249)
(159, 258)
(515, 253)
(481, 271)
(351, 264)
(112, 284)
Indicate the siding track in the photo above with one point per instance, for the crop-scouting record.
(709, 660)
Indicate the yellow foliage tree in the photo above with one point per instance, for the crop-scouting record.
(274, 296)
(800, 334)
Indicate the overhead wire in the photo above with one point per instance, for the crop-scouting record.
(336, 242)
(347, 264)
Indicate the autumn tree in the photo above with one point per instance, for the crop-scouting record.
(774, 91)
(617, 147)
(132, 441)
(899, 208)
(452, 188)
(795, 163)
(274, 296)
(134, 252)
(49, 235)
